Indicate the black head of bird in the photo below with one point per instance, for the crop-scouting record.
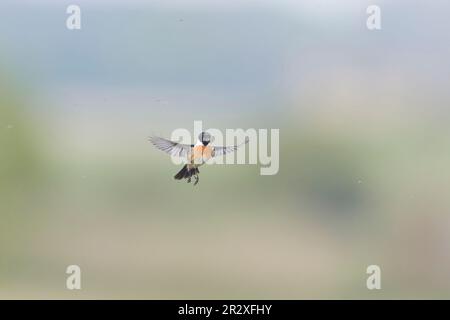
(204, 138)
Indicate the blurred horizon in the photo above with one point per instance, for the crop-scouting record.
(364, 147)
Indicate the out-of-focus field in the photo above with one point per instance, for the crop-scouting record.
(364, 151)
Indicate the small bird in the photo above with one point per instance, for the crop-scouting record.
(196, 155)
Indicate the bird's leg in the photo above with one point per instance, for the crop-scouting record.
(196, 179)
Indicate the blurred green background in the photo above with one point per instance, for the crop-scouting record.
(364, 149)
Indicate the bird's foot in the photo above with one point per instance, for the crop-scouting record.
(196, 180)
(189, 180)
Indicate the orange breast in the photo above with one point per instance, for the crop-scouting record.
(201, 154)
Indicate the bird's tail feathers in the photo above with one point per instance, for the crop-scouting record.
(186, 173)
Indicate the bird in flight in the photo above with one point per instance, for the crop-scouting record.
(195, 154)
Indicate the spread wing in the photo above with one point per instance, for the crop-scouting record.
(170, 147)
(220, 151)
